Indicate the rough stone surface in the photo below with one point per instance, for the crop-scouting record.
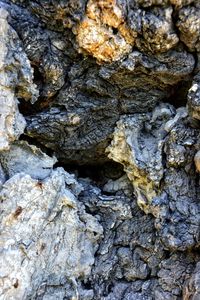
(189, 26)
(26, 158)
(165, 188)
(83, 94)
(138, 144)
(15, 73)
(99, 150)
(103, 32)
(191, 289)
(44, 241)
(194, 98)
(95, 97)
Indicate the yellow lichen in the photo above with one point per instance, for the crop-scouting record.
(103, 32)
(120, 151)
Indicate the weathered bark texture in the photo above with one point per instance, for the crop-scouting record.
(99, 150)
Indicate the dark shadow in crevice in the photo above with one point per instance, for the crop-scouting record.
(178, 95)
(42, 103)
(99, 174)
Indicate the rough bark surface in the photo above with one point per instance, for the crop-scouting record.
(100, 149)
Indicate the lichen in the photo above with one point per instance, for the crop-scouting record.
(103, 33)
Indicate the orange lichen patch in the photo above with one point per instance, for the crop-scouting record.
(103, 32)
(125, 32)
(111, 13)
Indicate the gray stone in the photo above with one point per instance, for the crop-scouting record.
(28, 159)
(46, 235)
(117, 90)
(15, 74)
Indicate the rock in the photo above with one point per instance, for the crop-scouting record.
(140, 155)
(173, 273)
(122, 183)
(103, 33)
(75, 127)
(189, 26)
(15, 74)
(99, 149)
(23, 157)
(191, 289)
(81, 100)
(44, 241)
(158, 32)
(194, 98)
(164, 188)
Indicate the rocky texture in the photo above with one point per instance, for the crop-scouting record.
(189, 26)
(95, 97)
(194, 98)
(138, 144)
(132, 262)
(47, 238)
(103, 32)
(80, 95)
(15, 81)
(191, 290)
(166, 188)
(26, 158)
(99, 149)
